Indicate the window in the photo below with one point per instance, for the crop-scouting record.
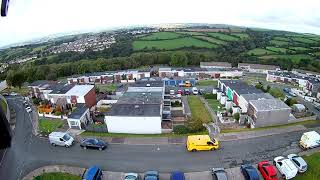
(73, 123)
(61, 139)
(296, 162)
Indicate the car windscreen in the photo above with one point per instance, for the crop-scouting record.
(66, 137)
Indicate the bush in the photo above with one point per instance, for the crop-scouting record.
(236, 116)
(210, 96)
(195, 125)
(291, 101)
(180, 129)
(57, 113)
(36, 101)
(176, 104)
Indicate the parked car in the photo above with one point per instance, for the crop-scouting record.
(249, 172)
(5, 94)
(195, 91)
(286, 167)
(219, 174)
(187, 92)
(93, 143)
(171, 92)
(28, 109)
(180, 92)
(267, 170)
(151, 175)
(93, 173)
(309, 140)
(131, 176)
(177, 175)
(60, 139)
(13, 94)
(298, 162)
(201, 91)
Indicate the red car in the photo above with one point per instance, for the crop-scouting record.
(180, 92)
(268, 171)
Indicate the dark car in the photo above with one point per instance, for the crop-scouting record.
(249, 172)
(177, 175)
(151, 175)
(219, 174)
(187, 92)
(93, 173)
(93, 143)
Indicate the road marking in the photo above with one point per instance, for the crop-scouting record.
(4, 154)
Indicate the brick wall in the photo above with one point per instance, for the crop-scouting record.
(90, 98)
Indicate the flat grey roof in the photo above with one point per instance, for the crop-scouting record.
(140, 98)
(134, 110)
(141, 83)
(213, 63)
(78, 112)
(241, 87)
(291, 75)
(269, 104)
(62, 88)
(259, 66)
(257, 96)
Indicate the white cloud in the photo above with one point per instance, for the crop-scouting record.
(35, 18)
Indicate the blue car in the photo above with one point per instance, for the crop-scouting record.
(249, 172)
(151, 175)
(93, 173)
(177, 175)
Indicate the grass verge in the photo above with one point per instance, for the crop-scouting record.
(57, 176)
(198, 110)
(308, 122)
(208, 82)
(49, 125)
(313, 172)
(124, 135)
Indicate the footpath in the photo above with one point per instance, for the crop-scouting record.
(232, 173)
(181, 140)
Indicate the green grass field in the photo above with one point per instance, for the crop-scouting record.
(106, 87)
(279, 43)
(317, 53)
(222, 36)
(214, 104)
(198, 110)
(208, 82)
(57, 176)
(303, 40)
(192, 33)
(50, 125)
(161, 35)
(259, 52)
(241, 35)
(276, 49)
(281, 38)
(299, 48)
(294, 57)
(172, 44)
(313, 171)
(211, 39)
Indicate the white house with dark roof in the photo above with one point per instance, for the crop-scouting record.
(214, 64)
(258, 68)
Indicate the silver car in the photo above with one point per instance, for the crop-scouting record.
(219, 174)
(298, 162)
(131, 176)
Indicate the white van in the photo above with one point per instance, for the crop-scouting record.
(171, 92)
(60, 139)
(194, 91)
(309, 140)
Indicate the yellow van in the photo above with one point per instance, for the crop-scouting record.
(201, 143)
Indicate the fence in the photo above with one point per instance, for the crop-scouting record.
(96, 128)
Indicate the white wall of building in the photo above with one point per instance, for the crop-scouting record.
(3, 85)
(133, 125)
(243, 104)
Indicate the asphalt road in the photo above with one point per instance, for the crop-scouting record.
(29, 152)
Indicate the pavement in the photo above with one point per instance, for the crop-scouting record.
(29, 152)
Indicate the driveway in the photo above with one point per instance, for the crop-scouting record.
(29, 152)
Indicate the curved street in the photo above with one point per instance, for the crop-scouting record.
(29, 152)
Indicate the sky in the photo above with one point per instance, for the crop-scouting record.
(29, 19)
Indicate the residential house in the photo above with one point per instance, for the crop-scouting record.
(258, 68)
(79, 117)
(214, 64)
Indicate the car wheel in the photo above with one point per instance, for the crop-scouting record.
(194, 150)
(84, 147)
(53, 144)
(67, 146)
(100, 148)
(283, 176)
(212, 149)
(274, 163)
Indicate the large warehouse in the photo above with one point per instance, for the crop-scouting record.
(139, 110)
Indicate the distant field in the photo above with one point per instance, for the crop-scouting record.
(241, 35)
(191, 33)
(161, 35)
(317, 53)
(279, 43)
(299, 48)
(259, 52)
(303, 40)
(222, 36)
(276, 49)
(281, 39)
(172, 44)
(211, 39)
(294, 57)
